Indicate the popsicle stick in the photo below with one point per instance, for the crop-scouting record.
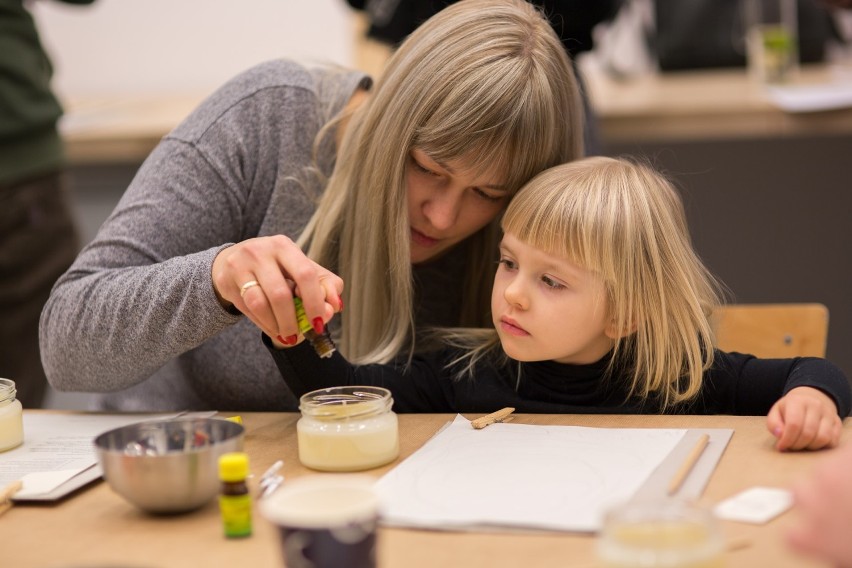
(6, 495)
(498, 416)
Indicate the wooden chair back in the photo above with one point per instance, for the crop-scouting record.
(772, 330)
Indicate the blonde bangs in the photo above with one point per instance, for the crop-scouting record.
(495, 131)
(566, 221)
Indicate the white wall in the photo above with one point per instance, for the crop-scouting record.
(117, 47)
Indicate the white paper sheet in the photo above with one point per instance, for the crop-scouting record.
(811, 98)
(523, 476)
(57, 448)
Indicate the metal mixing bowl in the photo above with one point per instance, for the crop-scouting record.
(167, 466)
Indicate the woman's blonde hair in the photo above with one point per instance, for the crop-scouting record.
(625, 222)
(486, 81)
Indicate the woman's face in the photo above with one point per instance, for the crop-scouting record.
(447, 204)
(548, 308)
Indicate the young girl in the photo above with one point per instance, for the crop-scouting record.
(304, 174)
(600, 305)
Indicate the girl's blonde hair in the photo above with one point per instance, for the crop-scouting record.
(486, 81)
(625, 222)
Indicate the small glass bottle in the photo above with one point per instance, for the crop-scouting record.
(234, 499)
(11, 416)
(772, 39)
(321, 342)
(347, 429)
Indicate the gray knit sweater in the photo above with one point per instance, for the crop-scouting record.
(136, 315)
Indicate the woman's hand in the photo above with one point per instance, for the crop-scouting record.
(804, 419)
(823, 502)
(259, 277)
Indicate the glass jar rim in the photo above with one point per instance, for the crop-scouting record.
(331, 403)
(7, 390)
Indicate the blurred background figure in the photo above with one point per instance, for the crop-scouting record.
(38, 240)
(573, 20)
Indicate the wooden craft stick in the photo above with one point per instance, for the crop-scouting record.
(498, 416)
(738, 543)
(688, 464)
(9, 490)
(6, 495)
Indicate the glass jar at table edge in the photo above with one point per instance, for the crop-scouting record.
(11, 416)
(660, 533)
(347, 428)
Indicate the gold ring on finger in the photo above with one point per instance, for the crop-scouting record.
(245, 287)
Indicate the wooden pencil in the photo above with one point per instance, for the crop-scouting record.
(688, 464)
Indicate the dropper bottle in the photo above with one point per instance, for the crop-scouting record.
(234, 499)
(321, 342)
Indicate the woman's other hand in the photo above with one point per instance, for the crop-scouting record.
(823, 502)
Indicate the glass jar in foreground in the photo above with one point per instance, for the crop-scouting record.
(663, 533)
(347, 429)
(11, 416)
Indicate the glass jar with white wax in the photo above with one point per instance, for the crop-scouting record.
(347, 429)
(11, 416)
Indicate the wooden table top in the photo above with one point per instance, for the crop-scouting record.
(706, 105)
(96, 527)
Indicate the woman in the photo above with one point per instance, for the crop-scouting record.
(472, 105)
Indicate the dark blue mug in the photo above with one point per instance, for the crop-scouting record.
(326, 521)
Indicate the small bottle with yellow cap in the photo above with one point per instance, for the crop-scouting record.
(234, 500)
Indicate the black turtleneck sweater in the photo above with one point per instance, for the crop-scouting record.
(736, 384)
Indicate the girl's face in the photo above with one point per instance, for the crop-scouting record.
(447, 204)
(547, 308)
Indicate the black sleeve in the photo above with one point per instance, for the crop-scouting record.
(746, 385)
(422, 386)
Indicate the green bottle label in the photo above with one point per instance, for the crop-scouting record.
(236, 514)
(301, 318)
